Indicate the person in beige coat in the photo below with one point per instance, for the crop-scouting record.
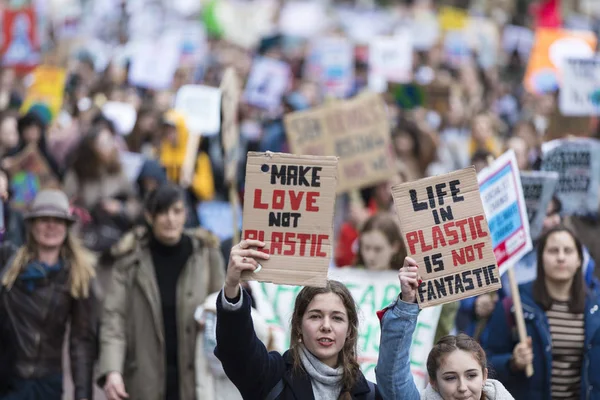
(148, 333)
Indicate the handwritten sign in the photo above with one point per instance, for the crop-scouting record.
(357, 131)
(201, 107)
(444, 228)
(288, 204)
(580, 92)
(372, 291)
(268, 80)
(504, 205)
(538, 189)
(577, 162)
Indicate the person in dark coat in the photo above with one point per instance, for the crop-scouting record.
(321, 363)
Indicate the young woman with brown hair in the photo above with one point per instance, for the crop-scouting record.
(380, 245)
(457, 365)
(321, 363)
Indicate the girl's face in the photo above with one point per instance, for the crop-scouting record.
(482, 129)
(561, 259)
(105, 145)
(404, 144)
(376, 251)
(325, 327)
(460, 377)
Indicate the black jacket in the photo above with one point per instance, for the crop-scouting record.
(253, 370)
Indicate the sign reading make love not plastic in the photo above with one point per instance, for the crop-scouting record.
(445, 230)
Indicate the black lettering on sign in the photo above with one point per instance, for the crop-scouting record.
(284, 219)
(294, 175)
(455, 284)
(307, 130)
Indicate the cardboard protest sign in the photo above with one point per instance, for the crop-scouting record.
(580, 92)
(577, 162)
(288, 204)
(201, 107)
(268, 80)
(29, 173)
(550, 49)
(560, 126)
(390, 60)
(20, 45)
(504, 205)
(230, 132)
(372, 291)
(357, 131)
(445, 231)
(538, 189)
(47, 87)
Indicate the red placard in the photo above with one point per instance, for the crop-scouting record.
(20, 47)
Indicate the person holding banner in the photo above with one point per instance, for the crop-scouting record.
(563, 325)
(322, 360)
(457, 365)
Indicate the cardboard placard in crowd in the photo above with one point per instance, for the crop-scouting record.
(20, 43)
(201, 107)
(550, 49)
(357, 131)
(372, 291)
(29, 174)
(580, 91)
(505, 210)
(230, 133)
(47, 87)
(561, 126)
(267, 82)
(538, 190)
(288, 204)
(577, 162)
(445, 231)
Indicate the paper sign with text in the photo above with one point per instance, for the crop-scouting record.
(331, 63)
(577, 162)
(505, 210)
(445, 231)
(390, 60)
(47, 87)
(357, 131)
(372, 291)
(288, 204)
(580, 92)
(201, 107)
(538, 189)
(122, 115)
(268, 80)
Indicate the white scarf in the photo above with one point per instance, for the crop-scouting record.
(326, 381)
(493, 390)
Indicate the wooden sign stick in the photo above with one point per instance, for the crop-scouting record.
(188, 167)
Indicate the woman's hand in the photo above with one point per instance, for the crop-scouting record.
(242, 258)
(409, 280)
(114, 388)
(522, 355)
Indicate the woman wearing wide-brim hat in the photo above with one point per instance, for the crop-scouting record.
(47, 283)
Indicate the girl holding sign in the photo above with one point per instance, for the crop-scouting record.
(456, 365)
(321, 363)
(562, 319)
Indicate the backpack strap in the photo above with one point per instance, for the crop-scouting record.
(276, 391)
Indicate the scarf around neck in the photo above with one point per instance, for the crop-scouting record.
(326, 381)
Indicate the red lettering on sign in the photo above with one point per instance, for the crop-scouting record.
(311, 199)
(258, 204)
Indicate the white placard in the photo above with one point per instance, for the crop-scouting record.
(122, 115)
(268, 81)
(132, 164)
(201, 107)
(303, 19)
(580, 92)
(155, 62)
(390, 59)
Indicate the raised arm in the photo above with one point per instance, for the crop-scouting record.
(394, 379)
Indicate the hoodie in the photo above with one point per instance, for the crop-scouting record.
(493, 390)
(172, 157)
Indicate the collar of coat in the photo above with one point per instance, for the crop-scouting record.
(139, 236)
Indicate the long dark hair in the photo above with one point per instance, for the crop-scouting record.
(578, 288)
(87, 163)
(347, 356)
(386, 224)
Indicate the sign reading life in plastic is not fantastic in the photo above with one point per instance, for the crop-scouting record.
(504, 205)
(445, 230)
(288, 204)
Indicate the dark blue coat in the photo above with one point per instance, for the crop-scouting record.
(503, 338)
(253, 370)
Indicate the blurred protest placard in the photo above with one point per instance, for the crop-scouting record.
(132, 164)
(121, 114)
(47, 87)
(505, 210)
(517, 38)
(303, 19)
(452, 18)
(577, 162)
(372, 291)
(550, 49)
(580, 91)
(20, 45)
(230, 132)
(288, 204)
(444, 229)
(560, 126)
(201, 107)
(330, 62)
(390, 60)
(29, 173)
(268, 81)
(154, 63)
(357, 131)
(538, 190)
